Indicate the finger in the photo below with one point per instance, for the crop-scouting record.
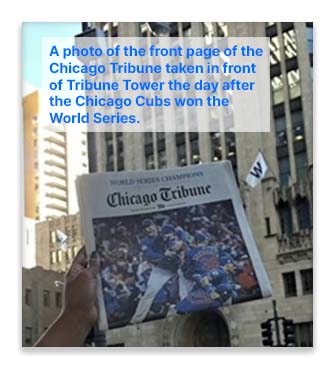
(94, 263)
(81, 258)
(74, 271)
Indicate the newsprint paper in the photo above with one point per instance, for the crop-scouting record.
(170, 241)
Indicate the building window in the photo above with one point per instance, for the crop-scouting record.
(216, 146)
(150, 164)
(195, 151)
(59, 255)
(289, 41)
(281, 131)
(120, 153)
(303, 213)
(181, 155)
(53, 257)
(268, 226)
(46, 298)
(28, 335)
(285, 219)
(162, 162)
(307, 281)
(53, 237)
(294, 85)
(301, 164)
(298, 132)
(109, 151)
(69, 254)
(274, 46)
(277, 89)
(289, 282)
(58, 299)
(298, 125)
(28, 297)
(309, 31)
(304, 334)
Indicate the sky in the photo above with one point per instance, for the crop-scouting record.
(32, 33)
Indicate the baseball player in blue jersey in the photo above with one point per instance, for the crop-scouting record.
(162, 250)
(203, 265)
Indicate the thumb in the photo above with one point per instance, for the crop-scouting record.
(94, 263)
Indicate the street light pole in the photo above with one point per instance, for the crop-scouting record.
(276, 323)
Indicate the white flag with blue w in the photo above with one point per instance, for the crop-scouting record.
(257, 171)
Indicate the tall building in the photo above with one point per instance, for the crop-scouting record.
(279, 209)
(41, 302)
(52, 159)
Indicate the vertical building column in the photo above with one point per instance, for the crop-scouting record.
(170, 138)
(306, 85)
(289, 125)
(247, 147)
(270, 183)
(203, 113)
(171, 149)
(133, 148)
(138, 151)
(186, 112)
(100, 151)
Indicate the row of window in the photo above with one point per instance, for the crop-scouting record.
(298, 135)
(300, 155)
(161, 160)
(71, 233)
(47, 301)
(112, 154)
(302, 207)
(294, 90)
(57, 256)
(290, 283)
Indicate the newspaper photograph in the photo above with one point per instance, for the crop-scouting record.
(170, 241)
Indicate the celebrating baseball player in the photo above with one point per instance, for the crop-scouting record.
(163, 250)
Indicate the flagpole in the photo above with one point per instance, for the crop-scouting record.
(247, 199)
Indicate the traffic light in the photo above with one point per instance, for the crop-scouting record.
(266, 333)
(289, 333)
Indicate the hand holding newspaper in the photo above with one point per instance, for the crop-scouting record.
(170, 241)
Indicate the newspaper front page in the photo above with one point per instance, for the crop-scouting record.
(170, 241)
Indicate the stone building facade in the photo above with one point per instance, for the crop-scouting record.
(41, 302)
(49, 253)
(279, 209)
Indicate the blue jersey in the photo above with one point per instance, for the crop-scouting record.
(200, 261)
(153, 248)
